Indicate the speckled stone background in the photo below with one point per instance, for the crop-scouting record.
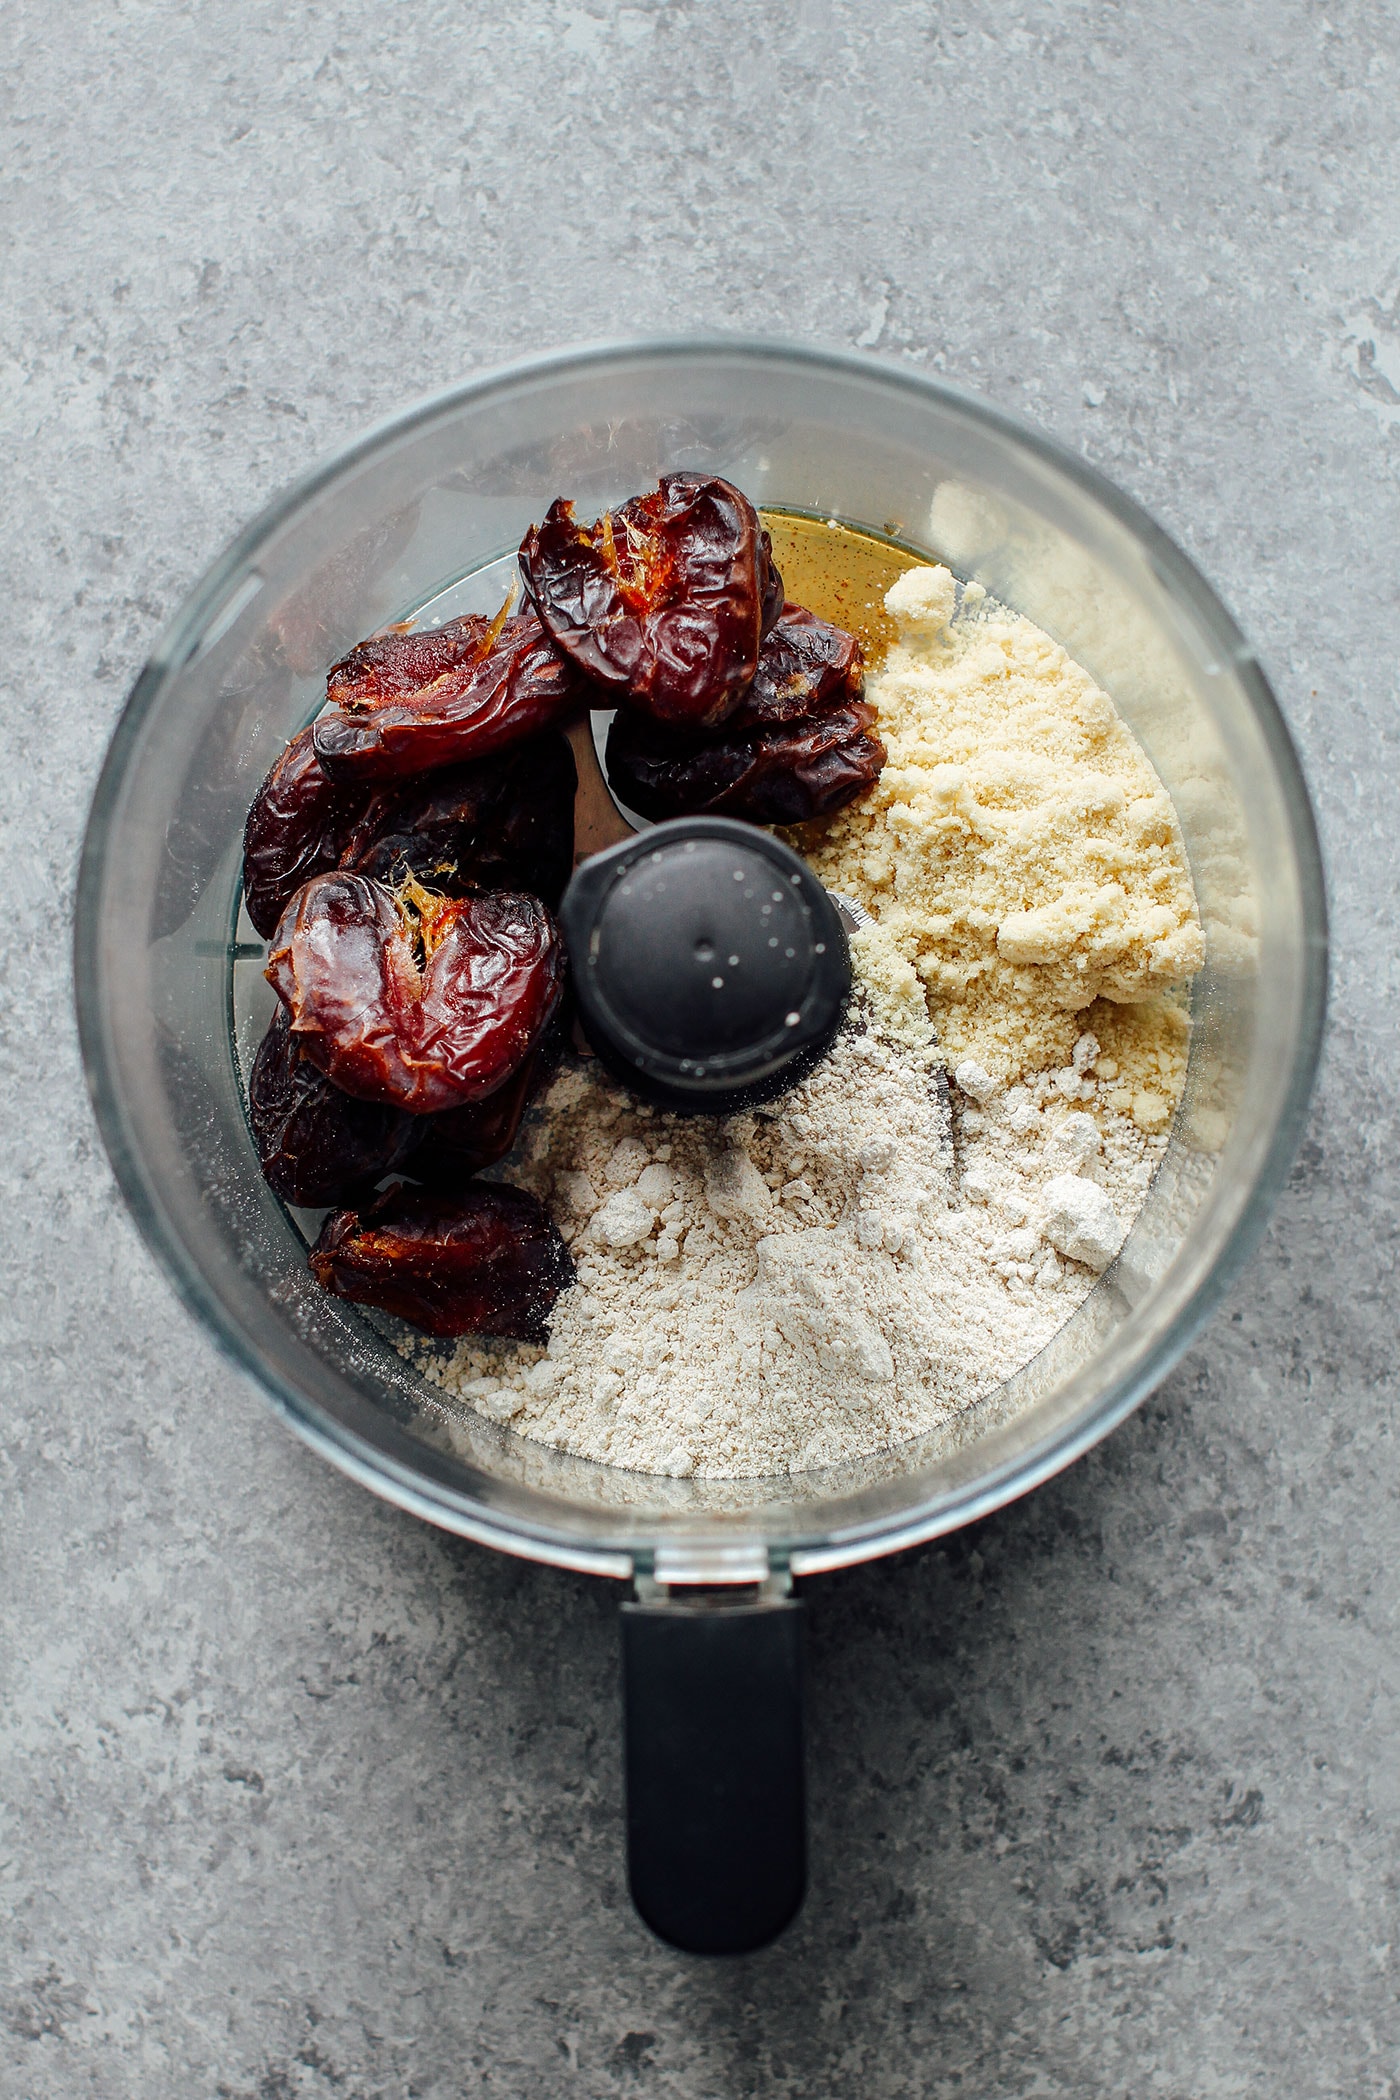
(302, 1799)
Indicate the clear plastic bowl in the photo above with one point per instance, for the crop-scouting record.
(438, 494)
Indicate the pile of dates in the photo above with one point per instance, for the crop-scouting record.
(730, 701)
(406, 853)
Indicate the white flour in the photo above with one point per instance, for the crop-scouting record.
(810, 1282)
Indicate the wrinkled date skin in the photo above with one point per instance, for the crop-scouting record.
(806, 667)
(798, 745)
(785, 775)
(663, 602)
(295, 829)
(409, 703)
(487, 1261)
(505, 822)
(420, 1001)
(452, 1146)
(316, 1144)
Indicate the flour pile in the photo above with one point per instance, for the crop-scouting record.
(807, 1283)
(1021, 859)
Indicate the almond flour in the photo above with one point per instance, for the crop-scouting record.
(1020, 857)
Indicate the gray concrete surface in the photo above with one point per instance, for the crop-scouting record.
(302, 1799)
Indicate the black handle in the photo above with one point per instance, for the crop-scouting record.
(716, 1808)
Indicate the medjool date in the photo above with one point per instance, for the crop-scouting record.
(409, 703)
(663, 602)
(504, 822)
(487, 1261)
(782, 775)
(452, 1146)
(797, 746)
(806, 667)
(404, 996)
(297, 823)
(316, 1144)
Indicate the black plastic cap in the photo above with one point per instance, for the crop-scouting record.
(710, 966)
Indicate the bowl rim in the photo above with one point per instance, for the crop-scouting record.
(216, 591)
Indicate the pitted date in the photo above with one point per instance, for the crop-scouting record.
(487, 1261)
(411, 998)
(663, 602)
(504, 822)
(806, 667)
(451, 1147)
(784, 775)
(317, 1145)
(797, 746)
(295, 829)
(404, 704)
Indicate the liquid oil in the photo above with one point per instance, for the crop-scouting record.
(840, 573)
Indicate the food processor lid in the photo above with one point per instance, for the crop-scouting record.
(710, 966)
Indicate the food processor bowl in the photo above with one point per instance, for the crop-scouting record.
(169, 974)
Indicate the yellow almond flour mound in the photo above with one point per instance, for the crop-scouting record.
(1019, 855)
